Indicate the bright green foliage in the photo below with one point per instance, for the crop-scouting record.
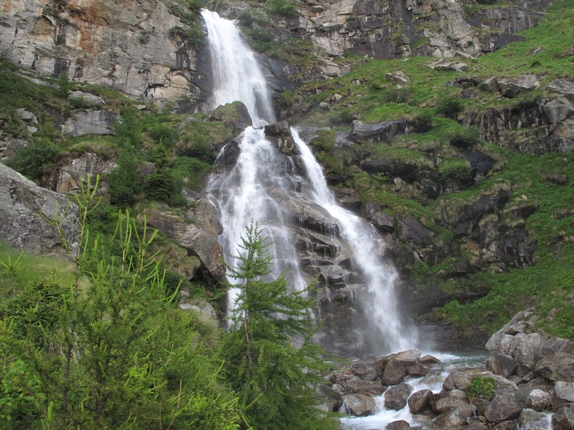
(449, 107)
(111, 351)
(465, 137)
(283, 8)
(270, 359)
(124, 182)
(455, 169)
(481, 387)
(36, 159)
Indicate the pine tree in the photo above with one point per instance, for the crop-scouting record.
(270, 359)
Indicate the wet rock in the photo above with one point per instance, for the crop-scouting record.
(396, 397)
(417, 369)
(503, 407)
(448, 403)
(419, 401)
(506, 425)
(359, 405)
(394, 372)
(414, 232)
(398, 425)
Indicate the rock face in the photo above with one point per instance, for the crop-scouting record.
(129, 46)
(23, 206)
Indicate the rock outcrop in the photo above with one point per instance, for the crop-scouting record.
(26, 212)
(132, 47)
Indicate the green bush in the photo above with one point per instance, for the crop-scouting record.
(449, 107)
(189, 172)
(123, 182)
(423, 122)
(162, 133)
(36, 159)
(283, 8)
(162, 186)
(465, 137)
(455, 169)
(481, 387)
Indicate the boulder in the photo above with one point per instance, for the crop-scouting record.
(393, 373)
(563, 418)
(398, 425)
(533, 420)
(419, 401)
(489, 85)
(557, 367)
(407, 357)
(501, 364)
(396, 397)
(24, 211)
(538, 400)
(359, 405)
(514, 87)
(417, 369)
(503, 407)
(454, 418)
(448, 403)
(564, 390)
(68, 175)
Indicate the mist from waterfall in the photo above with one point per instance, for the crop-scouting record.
(387, 328)
(236, 74)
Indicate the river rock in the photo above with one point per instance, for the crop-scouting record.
(396, 397)
(501, 364)
(538, 400)
(564, 390)
(448, 403)
(398, 425)
(557, 367)
(417, 369)
(359, 405)
(407, 357)
(24, 211)
(563, 418)
(503, 407)
(419, 401)
(454, 418)
(393, 373)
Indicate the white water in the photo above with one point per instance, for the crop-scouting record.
(236, 74)
(391, 333)
(254, 189)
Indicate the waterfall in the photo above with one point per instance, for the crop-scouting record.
(236, 74)
(263, 186)
(386, 324)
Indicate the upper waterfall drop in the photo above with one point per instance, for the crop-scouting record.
(236, 73)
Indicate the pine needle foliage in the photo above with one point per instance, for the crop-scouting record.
(270, 359)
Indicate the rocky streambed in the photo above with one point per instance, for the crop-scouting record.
(524, 381)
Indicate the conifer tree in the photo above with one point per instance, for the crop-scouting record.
(270, 359)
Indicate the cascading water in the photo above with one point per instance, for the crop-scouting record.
(236, 74)
(387, 327)
(260, 187)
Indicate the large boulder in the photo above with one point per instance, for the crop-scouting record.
(26, 211)
(503, 407)
(381, 132)
(359, 405)
(396, 397)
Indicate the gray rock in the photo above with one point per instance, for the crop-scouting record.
(68, 176)
(506, 425)
(454, 418)
(382, 132)
(448, 403)
(359, 405)
(503, 407)
(417, 369)
(396, 397)
(490, 85)
(513, 88)
(538, 400)
(563, 418)
(27, 116)
(558, 109)
(90, 122)
(407, 357)
(501, 364)
(564, 390)
(419, 401)
(532, 420)
(393, 373)
(557, 367)
(21, 224)
(87, 97)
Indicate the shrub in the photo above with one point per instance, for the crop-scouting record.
(36, 159)
(481, 387)
(465, 137)
(449, 107)
(163, 134)
(124, 182)
(283, 8)
(423, 122)
(455, 169)
(162, 186)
